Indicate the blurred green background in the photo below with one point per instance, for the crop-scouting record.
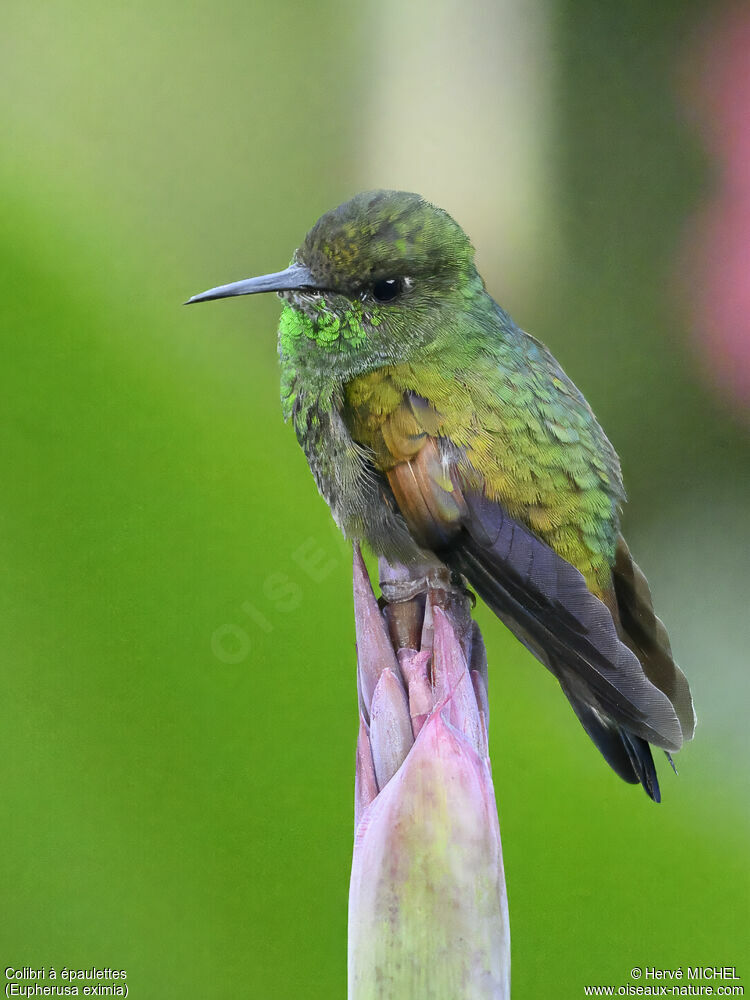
(178, 697)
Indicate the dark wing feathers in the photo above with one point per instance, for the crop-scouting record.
(545, 600)
(645, 634)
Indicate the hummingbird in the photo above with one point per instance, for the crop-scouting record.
(441, 434)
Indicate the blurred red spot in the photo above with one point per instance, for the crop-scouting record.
(719, 238)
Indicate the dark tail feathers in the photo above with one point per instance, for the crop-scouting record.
(627, 754)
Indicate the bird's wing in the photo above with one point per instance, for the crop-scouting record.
(646, 635)
(611, 656)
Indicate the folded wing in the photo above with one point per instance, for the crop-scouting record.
(613, 660)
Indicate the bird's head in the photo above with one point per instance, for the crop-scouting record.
(372, 281)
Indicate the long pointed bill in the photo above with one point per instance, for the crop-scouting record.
(295, 276)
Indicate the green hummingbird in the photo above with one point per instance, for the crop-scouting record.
(442, 434)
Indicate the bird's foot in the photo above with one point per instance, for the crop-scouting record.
(399, 583)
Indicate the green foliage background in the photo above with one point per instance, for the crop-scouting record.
(177, 720)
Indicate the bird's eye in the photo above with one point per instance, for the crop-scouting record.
(387, 289)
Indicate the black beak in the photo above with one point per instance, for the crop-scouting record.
(295, 276)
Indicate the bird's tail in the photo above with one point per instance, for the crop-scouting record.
(627, 754)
